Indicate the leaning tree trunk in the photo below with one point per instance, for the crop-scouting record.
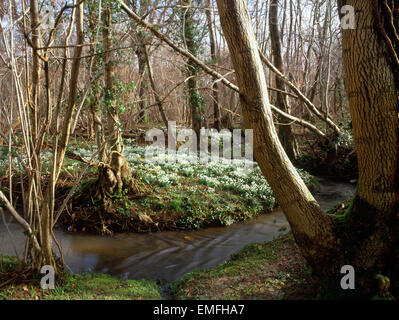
(310, 226)
(285, 130)
(158, 99)
(366, 237)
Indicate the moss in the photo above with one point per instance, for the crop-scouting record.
(342, 214)
(8, 263)
(188, 205)
(270, 270)
(85, 287)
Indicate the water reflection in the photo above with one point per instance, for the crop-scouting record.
(170, 255)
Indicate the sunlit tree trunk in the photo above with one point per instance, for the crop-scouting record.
(372, 87)
(306, 218)
(366, 236)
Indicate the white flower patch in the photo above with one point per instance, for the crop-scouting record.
(164, 170)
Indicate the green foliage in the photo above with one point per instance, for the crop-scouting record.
(8, 263)
(193, 195)
(85, 287)
(104, 287)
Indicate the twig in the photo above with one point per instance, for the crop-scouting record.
(19, 219)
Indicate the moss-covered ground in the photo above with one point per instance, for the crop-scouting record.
(71, 286)
(269, 271)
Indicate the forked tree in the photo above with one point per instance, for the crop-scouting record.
(366, 236)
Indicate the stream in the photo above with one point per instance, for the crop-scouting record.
(169, 255)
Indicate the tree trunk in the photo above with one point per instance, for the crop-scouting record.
(365, 237)
(36, 43)
(140, 52)
(112, 111)
(154, 89)
(194, 97)
(285, 130)
(373, 98)
(308, 222)
(114, 175)
(215, 87)
(47, 202)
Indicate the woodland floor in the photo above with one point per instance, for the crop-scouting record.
(267, 271)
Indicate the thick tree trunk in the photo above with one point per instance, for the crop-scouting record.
(366, 237)
(373, 98)
(112, 111)
(311, 227)
(285, 130)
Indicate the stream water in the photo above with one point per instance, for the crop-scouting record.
(169, 255)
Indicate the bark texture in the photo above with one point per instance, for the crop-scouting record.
(308, 222)
(366, 236)
(285, 131)
(373, 99)
(115, 174)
